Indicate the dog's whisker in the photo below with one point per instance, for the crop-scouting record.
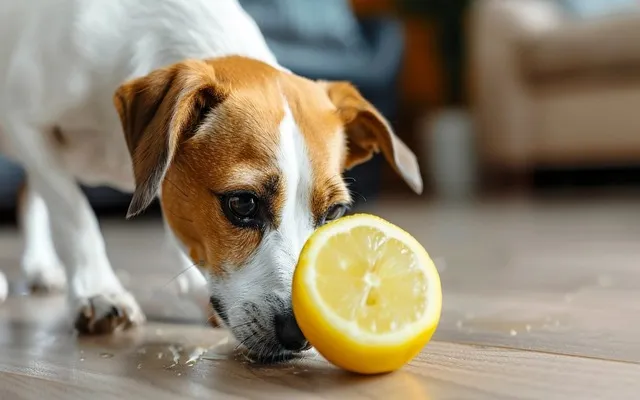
(259, 350)
(240, 325)
(156, 291)
(269, 351)
(178, 274)
(219, 313)
(244, 342)
(359, 195)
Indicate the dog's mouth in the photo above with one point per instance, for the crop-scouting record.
(256, 334)
(261, 347)
(270, 358)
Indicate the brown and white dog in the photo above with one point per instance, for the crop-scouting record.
(246, 157)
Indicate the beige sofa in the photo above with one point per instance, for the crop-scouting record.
(551, 91)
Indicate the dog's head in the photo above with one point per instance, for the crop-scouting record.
(249, 161)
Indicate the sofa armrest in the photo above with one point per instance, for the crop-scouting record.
(500, 97)
(603, 46)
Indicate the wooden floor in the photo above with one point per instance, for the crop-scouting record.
(541, 301)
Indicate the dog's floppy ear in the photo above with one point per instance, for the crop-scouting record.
(368, 132)
(158, 112)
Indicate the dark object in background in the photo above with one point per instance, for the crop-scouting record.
(315, 39)
(449, 18)
(324, 40)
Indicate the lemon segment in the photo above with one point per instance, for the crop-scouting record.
(366, 294)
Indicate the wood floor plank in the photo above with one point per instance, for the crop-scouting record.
(556, 277)
(540, 301)
(16, 386)
(154, 362)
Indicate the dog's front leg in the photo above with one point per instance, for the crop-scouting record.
(40, 263)
(99, 303)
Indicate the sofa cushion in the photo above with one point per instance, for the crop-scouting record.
(604, 47)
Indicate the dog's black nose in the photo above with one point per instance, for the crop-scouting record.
(288, 333)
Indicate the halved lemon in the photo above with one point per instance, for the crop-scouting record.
(366, 294)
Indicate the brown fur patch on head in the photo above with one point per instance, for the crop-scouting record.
(200, 129)
(234, 149)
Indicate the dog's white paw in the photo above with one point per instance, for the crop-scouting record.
(107, 313)
(46, 278)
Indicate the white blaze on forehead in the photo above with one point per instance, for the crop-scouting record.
(296, 219)
(268, 273)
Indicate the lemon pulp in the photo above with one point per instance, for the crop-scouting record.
(371, 280)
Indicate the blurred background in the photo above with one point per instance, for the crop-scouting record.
(496, 97)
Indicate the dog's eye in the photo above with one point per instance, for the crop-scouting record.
(335, 211)
(243, 205)
(242, 209)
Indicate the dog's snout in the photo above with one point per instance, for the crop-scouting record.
(288, 332)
